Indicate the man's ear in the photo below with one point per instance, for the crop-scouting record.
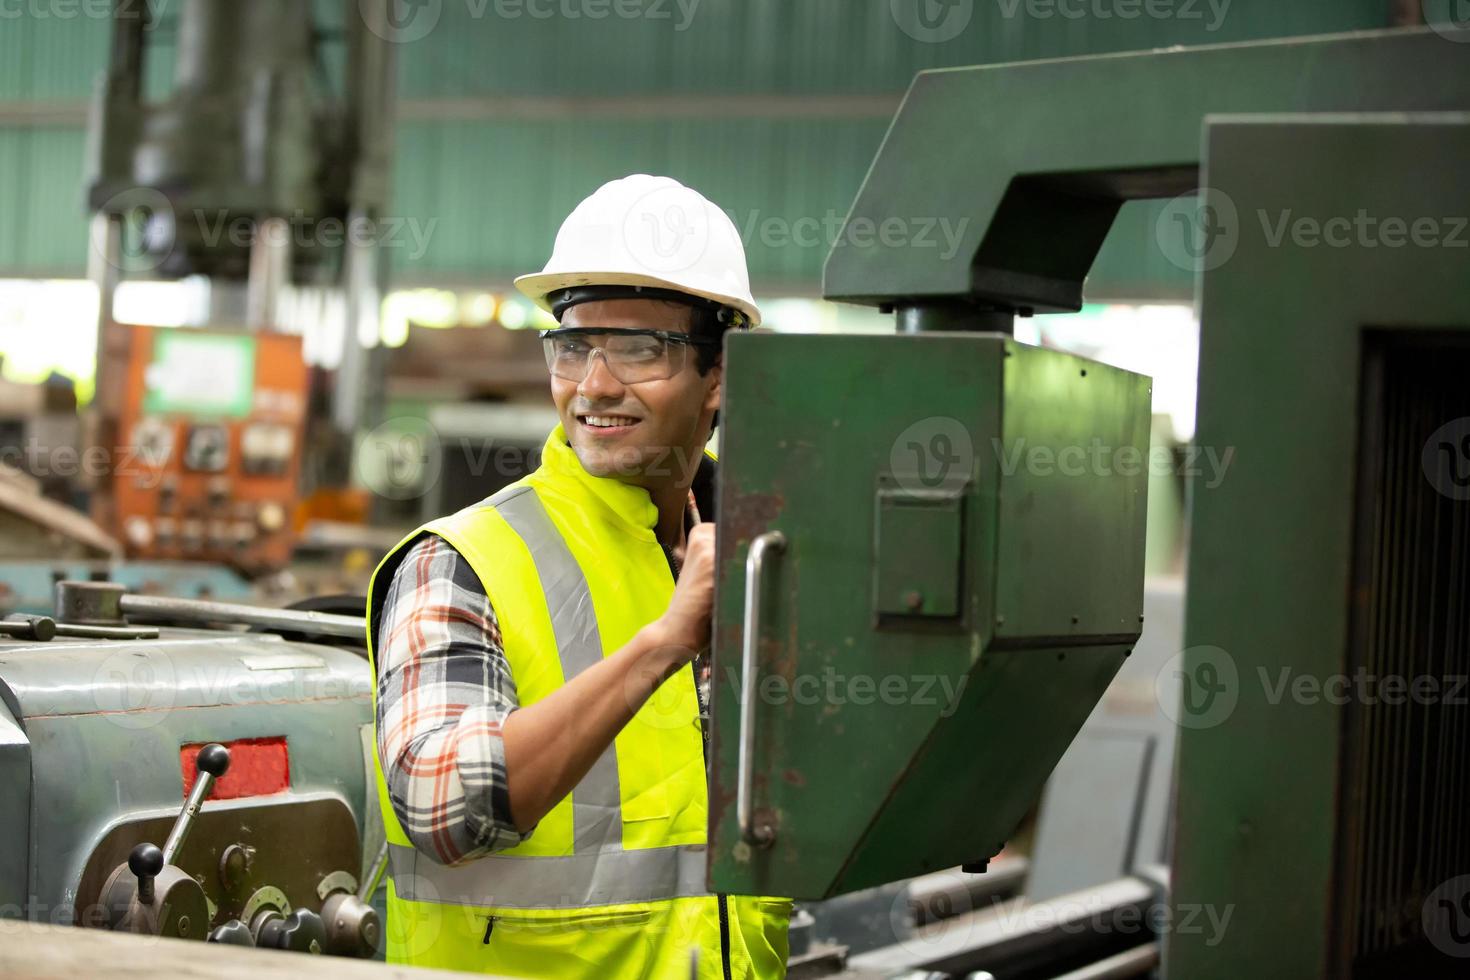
(715, 391)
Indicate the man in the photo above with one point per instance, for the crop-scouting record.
(541, 744)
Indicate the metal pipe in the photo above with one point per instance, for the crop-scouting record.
(1095, 922)
(374, 877)
(940, 317)
(145, 608)
(1133, 963)
(946, 894)
(745, 764)
(213, 761)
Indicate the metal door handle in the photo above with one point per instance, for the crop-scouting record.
(771, 541)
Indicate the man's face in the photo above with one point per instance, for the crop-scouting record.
(661, 426)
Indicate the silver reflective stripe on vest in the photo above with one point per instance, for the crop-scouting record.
(570, 882)
(597, 817)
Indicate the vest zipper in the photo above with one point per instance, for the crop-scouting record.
(704, 737)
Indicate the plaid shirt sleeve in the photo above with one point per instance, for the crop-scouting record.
(444, 689)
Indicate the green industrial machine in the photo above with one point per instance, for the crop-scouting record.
(961, 595)
(1322, 765)
(1333, 365)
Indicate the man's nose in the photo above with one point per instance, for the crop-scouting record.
(599, 385)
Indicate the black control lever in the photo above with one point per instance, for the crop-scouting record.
(145, 862)
(149, 893)
(234, 932)
(301, 931)
(212, 762)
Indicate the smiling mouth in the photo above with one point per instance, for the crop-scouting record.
(607, 422)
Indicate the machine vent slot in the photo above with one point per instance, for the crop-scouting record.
(1402, 836)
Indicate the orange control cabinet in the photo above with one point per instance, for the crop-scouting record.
(206, 427)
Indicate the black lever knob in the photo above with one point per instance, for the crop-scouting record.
(301, 931)
(145, 862)
(214, 759)
(234, 932)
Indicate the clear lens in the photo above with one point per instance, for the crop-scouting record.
(631, 358)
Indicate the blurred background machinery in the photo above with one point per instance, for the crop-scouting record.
(262, 172)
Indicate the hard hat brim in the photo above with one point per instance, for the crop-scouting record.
(537, 286)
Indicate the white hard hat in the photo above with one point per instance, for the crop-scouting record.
(651, 232)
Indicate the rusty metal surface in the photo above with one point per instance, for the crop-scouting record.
(874, 719)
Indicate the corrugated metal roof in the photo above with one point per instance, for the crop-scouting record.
(495, 187)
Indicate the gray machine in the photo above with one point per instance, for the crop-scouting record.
(203, 783)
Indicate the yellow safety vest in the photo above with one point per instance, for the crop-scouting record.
(611, 883)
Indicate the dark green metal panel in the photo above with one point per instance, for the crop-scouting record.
(1066, 564)
(1037, 158)
(823, 439)
(1261, 771)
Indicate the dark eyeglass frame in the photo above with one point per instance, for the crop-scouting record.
(668, 335)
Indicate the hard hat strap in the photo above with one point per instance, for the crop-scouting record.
(564, 299)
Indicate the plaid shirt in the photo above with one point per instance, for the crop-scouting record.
(444, 690)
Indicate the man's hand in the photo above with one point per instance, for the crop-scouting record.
(551, 744)
(685, 625)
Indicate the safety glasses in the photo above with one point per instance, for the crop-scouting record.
(631, 356)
